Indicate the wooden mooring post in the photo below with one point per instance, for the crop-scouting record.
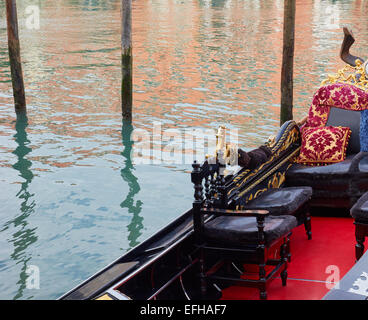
(286, 112)
(126, 60)
(14, 57)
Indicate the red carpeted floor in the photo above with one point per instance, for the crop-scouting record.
(314, 263)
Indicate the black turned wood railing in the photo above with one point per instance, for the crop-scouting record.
(212, 189)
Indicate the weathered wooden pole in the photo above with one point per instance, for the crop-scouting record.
(14, 57)
(126, 60)
(286, 112)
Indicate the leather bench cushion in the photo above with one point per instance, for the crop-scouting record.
(359, 211)
(315, 172)
(243, 230)
(329, 181)
(281, 201)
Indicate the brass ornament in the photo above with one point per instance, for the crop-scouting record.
(356, 76)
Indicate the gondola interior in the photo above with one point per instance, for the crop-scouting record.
(290, 227)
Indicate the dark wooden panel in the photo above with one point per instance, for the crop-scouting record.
(101, 281)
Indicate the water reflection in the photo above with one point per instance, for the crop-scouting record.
(198, 63)
(94, 5)
(136, 225)
(24, 236)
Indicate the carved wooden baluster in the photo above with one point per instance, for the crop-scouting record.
(222, 189)
(213, 188)
(198, 222)
(198, 197)
(207, 189)
(284, 259)
(218, 187)
(222, 196)
(261, 256)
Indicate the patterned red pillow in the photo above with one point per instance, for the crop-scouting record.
(323, 145)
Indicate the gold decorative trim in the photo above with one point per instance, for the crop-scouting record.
(104, 297)
(289, 137)
(270, 172)
(349, 75)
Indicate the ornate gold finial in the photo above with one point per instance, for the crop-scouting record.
(350, 75)
(221, 138)
(271, 140)
(226, 153)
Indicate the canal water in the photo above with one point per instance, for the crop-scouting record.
(73, 197)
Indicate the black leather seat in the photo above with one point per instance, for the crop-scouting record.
(240, 231)
(282, 201)
(286, 201)
(338, 184)
(328, 182)
(300, 171)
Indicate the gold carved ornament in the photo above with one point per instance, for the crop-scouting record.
(357, 76)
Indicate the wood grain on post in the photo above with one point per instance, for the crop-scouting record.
(14, 56)
(286, 112)
(126, 60)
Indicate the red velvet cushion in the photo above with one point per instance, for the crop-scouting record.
(323, 145)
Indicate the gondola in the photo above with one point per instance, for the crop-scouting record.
(187, 259)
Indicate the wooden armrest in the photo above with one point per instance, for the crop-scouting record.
(301, 122)
(240, 213)
(354, 166)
